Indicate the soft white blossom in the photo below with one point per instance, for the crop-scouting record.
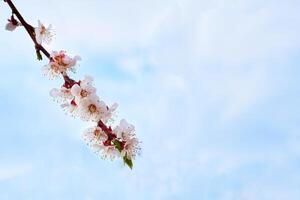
(125, 130)
(70, 107)
(83, 90)
(94, 135)
(10, 26)
(109, 152)
(43, 34)
(131, 148)
(90, 108)
(107, 113)
(105, 152)
(93, 109)
(62, 95)
(95, 138)
(59, 64)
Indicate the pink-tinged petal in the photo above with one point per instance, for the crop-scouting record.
(10, 26)
(54, 93)
(75, 90)
(88, 78)
(39, 23)
(77, 58)
(113, 107)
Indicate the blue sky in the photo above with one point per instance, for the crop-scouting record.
(211, 86)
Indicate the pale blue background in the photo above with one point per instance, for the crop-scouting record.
(213, 88)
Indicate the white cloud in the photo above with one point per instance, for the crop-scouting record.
(9, 172)
(131, 65)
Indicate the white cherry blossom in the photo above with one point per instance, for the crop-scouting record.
(125, 130)
(61, 95)
(10, 26)
(109, 152)
(94, 135)
(93, 109)
(59, 64)
(83, 90)
(90, 108)
(131, 148)
(43, 34)
(105, 152)
(70, 108)
(107, 113)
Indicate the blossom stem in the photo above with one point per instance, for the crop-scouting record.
(28, 28)
(104, 128)
(38, 47)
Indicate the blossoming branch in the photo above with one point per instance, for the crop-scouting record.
(79, 98)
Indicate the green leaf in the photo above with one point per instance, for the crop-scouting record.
(128, 161)
(117, 145)
(39, 55)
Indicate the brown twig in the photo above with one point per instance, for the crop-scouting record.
(28, 28)
(38, 47)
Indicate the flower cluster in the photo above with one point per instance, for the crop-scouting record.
(79, 99)
(120, 142)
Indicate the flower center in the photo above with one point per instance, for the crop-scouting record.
(59, 60)
(92, 108)
(43, 30)
(97, 133)
(84, 93)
